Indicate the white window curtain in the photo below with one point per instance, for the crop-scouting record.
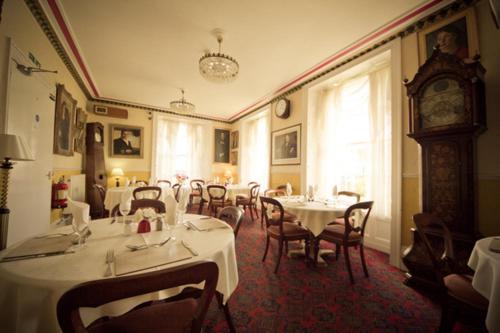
(350, 131)
(182, 147)
(255, 149)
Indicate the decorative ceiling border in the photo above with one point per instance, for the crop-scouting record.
(43, 21)
(442, 13)
(290, 87)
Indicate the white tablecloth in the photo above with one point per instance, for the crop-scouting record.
(486, 281)
(30, 289)
(313, 215)
(114, 194)
(231, 193)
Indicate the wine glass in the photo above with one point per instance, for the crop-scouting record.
(81, 228)
(125, 209)
(288, 190)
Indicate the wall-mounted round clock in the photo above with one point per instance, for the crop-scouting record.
(282, 109)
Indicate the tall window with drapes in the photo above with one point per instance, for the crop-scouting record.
(350, 130)
(182, 147)
(255, 149)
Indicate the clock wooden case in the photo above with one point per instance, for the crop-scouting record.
(95, 171)
(447, 113)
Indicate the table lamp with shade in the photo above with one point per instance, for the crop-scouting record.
(117, 172)
(12, 148)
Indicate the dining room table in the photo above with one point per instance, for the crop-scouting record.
(314, 215)
(114, 194)
(485, 261)
(31, 288)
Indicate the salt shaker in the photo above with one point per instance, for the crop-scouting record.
(159, 223)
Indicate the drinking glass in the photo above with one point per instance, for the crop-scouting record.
(125, 209)
(288, 191)
(81, 228)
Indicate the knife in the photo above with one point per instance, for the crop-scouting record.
(189, 248)
(32, 256)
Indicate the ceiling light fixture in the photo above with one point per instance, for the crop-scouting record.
(218, 67)
(181, 105)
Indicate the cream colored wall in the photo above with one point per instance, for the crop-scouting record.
(141, 167)
(18, 24)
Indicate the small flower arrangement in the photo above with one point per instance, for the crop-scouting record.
(181, 178)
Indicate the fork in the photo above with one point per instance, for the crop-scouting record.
(110, 257)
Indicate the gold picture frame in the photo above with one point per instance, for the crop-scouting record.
(126, 141)
(79, 131)
(285, 146)
(63, 122)
(457, 33)
(221, 145)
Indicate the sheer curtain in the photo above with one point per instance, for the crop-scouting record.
(350, 130)
(255, 149)
(181, 147)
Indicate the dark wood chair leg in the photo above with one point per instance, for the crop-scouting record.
(348, 263)
(251, 213)
(308, 248)
(227, 314)
(363, 262)
(337, 251)
(262, 217)
(267, 247)
(316, 251)
(280, 253)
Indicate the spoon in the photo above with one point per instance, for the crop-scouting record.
(145, 246)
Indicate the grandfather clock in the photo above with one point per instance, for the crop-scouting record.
(95, 172)
(447, 113)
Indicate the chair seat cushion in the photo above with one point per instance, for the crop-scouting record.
(336, 232)
(287, 217)
(289, 230)
(221, 203)
(460, 287)
(159, 317)
(195, 193)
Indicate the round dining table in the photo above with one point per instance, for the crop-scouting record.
(486, 280)
(30, 289)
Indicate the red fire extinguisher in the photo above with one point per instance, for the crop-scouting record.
(60, 194)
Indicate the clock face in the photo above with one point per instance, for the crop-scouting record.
(442, 104)
(97, 136)
(282, 108)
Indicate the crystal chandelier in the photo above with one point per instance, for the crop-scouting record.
(218, 67)
(181, 105)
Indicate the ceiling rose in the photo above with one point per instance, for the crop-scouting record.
(218, 67)
(181, 105)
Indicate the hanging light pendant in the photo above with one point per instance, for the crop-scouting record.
(218, 67)
(181, 105)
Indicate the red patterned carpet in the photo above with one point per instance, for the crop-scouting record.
(306, 299)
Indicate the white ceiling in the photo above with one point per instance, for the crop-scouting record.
(143, 51)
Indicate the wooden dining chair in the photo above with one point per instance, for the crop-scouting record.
(250, 202)
(201, 202)
(141, 183)
(147, 192)
(163, 182)
(217, 198)
(99, 211)
(353, 197)
(458, 298)
(195, 193)
(282, 231)
(347, 235)
(287, 217)
(157, 205)
(175, 316)
(233, 216)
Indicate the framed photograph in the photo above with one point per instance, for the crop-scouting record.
(126, 141)
(221, 145)
(234, 157)
(79, 131)
(285, 146)
(235, 138)
(455, 35)
(63, 123)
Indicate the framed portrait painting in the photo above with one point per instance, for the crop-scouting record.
(285, 145)
(126, 141)
(455, 35)
(79, 130)
(63, 122)
(235, 138)
(221, 145)
(234, 157)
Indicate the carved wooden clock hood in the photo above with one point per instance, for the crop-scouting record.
(447, 113)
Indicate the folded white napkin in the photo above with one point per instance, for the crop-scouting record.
(183, 197)
(80, 211)
(171, 207)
